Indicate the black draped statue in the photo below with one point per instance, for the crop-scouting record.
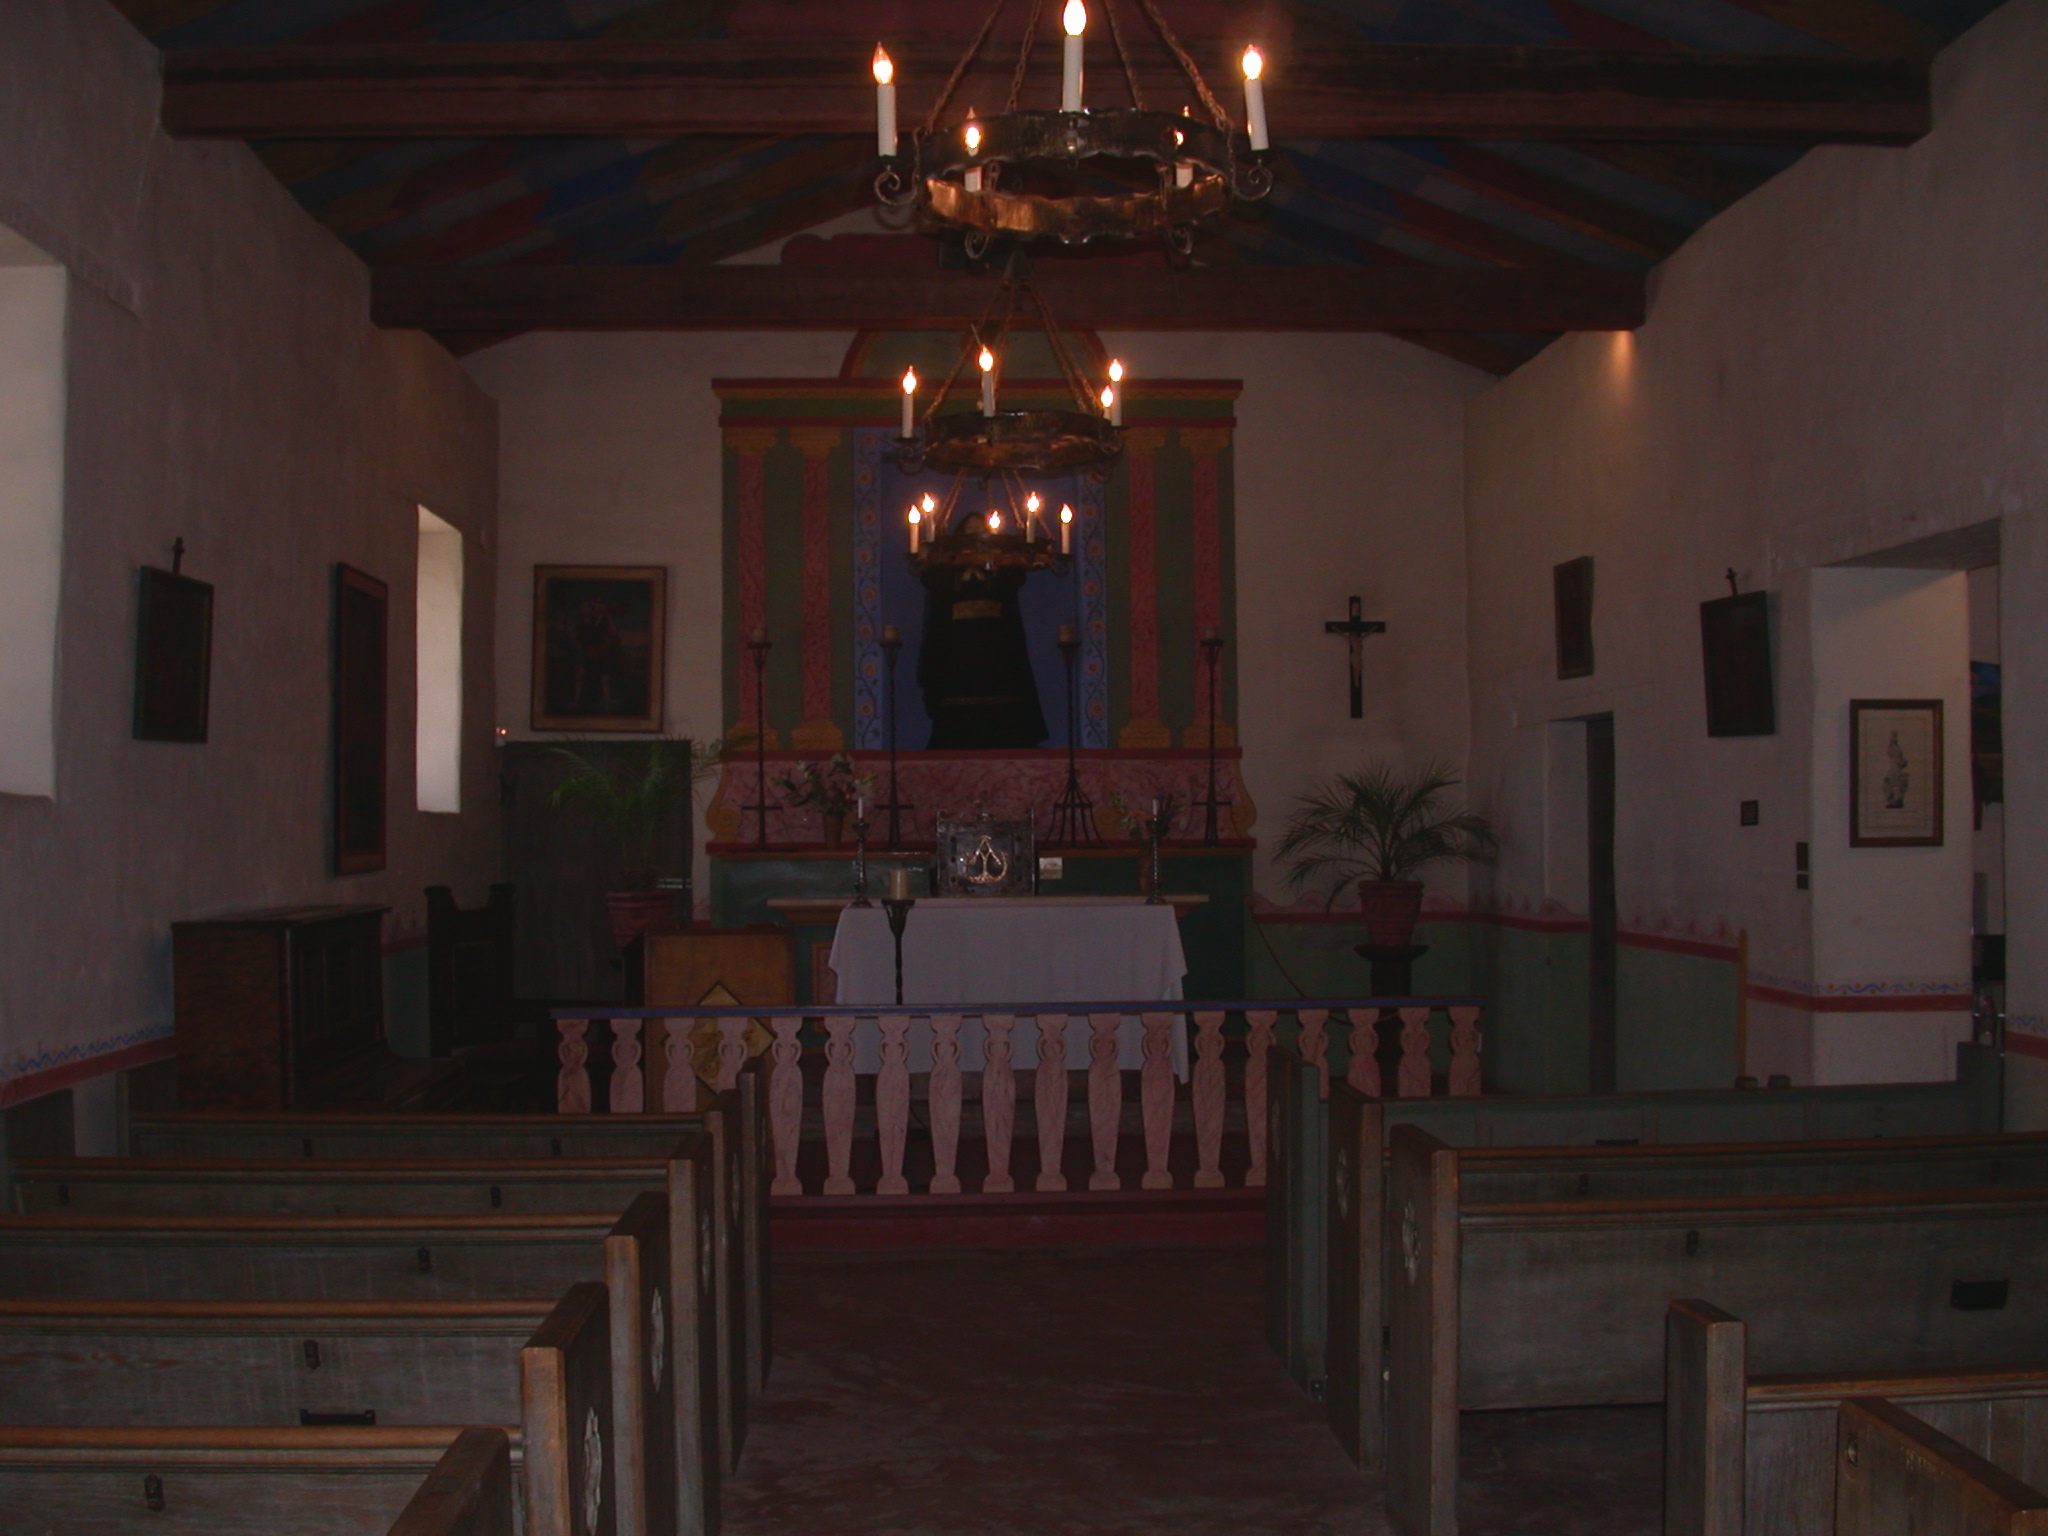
(973, 669)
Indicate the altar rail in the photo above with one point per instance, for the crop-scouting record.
(671, 1038)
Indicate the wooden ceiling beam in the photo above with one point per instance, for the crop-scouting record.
(497, 299)
(1358, 90)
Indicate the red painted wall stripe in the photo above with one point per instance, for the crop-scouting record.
(750, 449)
(1141, 533)
(816, 447)
(50, 1079)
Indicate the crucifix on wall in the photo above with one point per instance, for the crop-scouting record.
(1354, 629)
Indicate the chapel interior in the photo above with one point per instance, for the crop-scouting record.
(1095, 766)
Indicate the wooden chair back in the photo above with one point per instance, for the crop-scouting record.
(571, 1437)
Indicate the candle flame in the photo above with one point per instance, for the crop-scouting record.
(916, 517)
(1116, 370)
(885, 67)
(1179, 138)
(995, 520)
(1254, 63)
(987, 360)
(1108, 396)
(1066, 514)
(910, 381)
(973, 138)
(1032, 503)
(1074, 18)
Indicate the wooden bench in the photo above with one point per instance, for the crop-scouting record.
(1359, 1237)
(339, 1480)
(469, 1492)
(1895, 1473)
(1755, 1455)
(1560, 1304)
(1298, 1195)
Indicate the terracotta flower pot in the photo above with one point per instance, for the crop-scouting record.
(834, 827)
(637, 912)
(1390, 910)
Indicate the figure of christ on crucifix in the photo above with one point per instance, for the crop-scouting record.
(1354, 629)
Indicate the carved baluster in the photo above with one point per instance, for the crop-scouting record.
(572, 1082)
(1364, 1071)
(786, 1102)
(1208, 1101)
(1259, 1044)
(1050, 1087)
(1155, 1099)
(1315, 1045)
(628, 1093)
(1105, 1098)
(944, 1099)
(1414, 1078)
(679, 1067)
(998, 1102)
(732, 1052)
(1464, 1082)
(838, 1104)
(892, 1101)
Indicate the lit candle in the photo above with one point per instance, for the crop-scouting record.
(988, 382)
(916, 528)
(1183, 170)
(1255, 98)
(972, 135)
(1116, 403)
(909, 403)
(995, 521)
(1075, 20)
(1066, 530)
(885, 102)
(1109, 403)
(1031, 506)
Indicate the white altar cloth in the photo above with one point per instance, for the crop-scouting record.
(963, 952)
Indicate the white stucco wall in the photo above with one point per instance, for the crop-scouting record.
(1853, 357)
(225, 387)
(1349, 479)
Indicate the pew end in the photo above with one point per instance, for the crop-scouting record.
(469, 1492)
(1354, 1358)
(1895, 1472)
(1705, 1420)
(565, 1395)
(1422, 1318)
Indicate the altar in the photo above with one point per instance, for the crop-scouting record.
(978, 951)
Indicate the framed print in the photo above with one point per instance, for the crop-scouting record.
(598, 640)
(1735, 641)
(173, 656)
(360, 697)
(1895, 784)
(1571, 586)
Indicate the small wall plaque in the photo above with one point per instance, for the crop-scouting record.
(173, 656)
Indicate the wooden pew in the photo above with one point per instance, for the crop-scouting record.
(572, 1438)
(1819, 1275)
(469, 1492)
(1895, 1473)
(1297, 1176)
(1755, 1455)
(1359, 1238)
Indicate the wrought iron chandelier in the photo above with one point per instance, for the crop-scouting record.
(1075, 175)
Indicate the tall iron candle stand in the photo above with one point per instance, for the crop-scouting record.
(892, 642)
(1212, 652)
(860, 862)
(760, 645)
(898, 909)
(1073, 819)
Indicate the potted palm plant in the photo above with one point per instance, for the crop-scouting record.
(631, 794)
(1378, 828)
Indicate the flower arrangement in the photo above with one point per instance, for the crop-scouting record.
(832, 786)
(1139, 827)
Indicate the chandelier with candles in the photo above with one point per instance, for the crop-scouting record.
(1075, 175)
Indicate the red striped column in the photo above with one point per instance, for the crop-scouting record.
(1205, 447)
(1141, 520)
(749, 447)
(817, 733)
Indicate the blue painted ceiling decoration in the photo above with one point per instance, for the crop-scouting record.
(1557, 206)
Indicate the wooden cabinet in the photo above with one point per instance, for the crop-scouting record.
(281, 1009)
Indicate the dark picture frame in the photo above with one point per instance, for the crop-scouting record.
(600, 636)
(1735, 648)
(1571, 586)
(1896, 780)
(361, 723)
(173, 656)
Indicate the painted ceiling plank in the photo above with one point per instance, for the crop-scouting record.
(1317, 298)
(804, 86)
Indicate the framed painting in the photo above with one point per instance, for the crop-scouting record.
(599, 633)
(1735, 641)
(1895, 773)
(173, 656)
(361, 605)
(1571, 586)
